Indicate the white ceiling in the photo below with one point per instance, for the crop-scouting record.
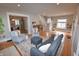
(47, 9)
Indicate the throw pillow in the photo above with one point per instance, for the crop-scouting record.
(44, 48)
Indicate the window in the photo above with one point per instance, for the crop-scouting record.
(17, 22)
(61, 23)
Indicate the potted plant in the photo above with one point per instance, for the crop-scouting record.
(1, 27)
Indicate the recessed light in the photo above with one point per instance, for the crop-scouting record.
(18, 5)
(58, 3)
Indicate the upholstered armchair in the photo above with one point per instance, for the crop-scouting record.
(51, 51)
(36, 40)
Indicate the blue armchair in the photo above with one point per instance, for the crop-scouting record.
(52, 50)
(36, 40)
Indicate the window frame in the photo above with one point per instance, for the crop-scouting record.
(61, 22)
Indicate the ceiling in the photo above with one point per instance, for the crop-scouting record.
(46, 9)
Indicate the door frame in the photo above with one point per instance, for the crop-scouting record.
(17, 14)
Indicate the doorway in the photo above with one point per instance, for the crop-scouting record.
(18, 23)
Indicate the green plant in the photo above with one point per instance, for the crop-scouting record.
(1, 26)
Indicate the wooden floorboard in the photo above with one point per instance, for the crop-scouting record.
(67, 46)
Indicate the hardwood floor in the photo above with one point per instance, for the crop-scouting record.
(67, 46)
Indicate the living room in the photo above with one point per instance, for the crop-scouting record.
(43, 20)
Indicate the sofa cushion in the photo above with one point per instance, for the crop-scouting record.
(44, 48)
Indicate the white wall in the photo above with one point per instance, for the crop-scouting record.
(5, 22)
(76, 34)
